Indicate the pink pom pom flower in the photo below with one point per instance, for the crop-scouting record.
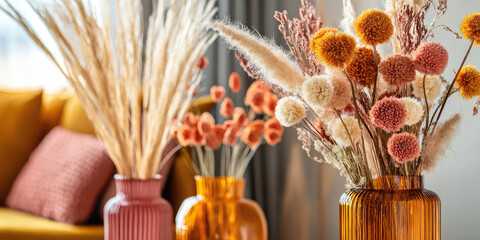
(403, 147)
(389, 114)
(431, 58)
(397, 70)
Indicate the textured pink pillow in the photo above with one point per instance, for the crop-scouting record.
(62, 178)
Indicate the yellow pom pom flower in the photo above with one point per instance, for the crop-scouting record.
(319, 35)
(471, 28)
(335, 49)
(468, 82)
(374, 27)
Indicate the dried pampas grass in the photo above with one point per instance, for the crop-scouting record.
(130, 98)
(436, 145)
(347, 25)
(273, 63)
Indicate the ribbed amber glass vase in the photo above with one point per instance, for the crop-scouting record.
(219, 211)
(390, 207)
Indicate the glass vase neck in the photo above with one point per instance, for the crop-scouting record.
(131, 188)
(393, 182)
(220, 187)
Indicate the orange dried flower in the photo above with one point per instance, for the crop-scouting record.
(197, 138)
(272, 136)
(468, 82)
(252, 133)
(273, 123)
(239, 116)
(471, 28)
(185, 135)
(206, 123)
(374, 27)
(234, 82)
(217, 93)
(362, 67)
(231, 135)
(335, 49)
(254, 99)
(269, 103)
(319, 35)
(190, 119)
(226, 109)
(214, 139)
(202, 63)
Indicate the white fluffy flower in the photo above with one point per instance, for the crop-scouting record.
(433, 85)
(289, 111)
(317, 91)
(414, 110)
(340, 133)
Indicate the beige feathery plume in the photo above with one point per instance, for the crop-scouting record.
(436, 144)
(347, 24)
(272, 62)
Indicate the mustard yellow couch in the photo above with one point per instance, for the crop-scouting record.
(64, 109)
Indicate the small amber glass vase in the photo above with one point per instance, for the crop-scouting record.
(219, 211)
(390, 207)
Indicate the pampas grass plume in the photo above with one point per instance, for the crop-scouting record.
(342, 93)
(437, 143)
(290, 111)
(273, 63)
(317, 91)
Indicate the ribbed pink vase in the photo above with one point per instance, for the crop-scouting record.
(138, 212)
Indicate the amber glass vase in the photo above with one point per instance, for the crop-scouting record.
(219, 211)
(390, 207)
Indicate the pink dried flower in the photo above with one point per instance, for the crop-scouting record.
(403, 147)
(397, 70)
(389, 114)
(342, 93)
(431, 58)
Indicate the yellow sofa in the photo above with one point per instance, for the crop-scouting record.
(64, 109)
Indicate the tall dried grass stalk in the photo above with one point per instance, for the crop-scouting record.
(130, 99)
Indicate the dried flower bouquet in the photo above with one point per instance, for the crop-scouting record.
(368, 115)
(238, 137)
(131, 80)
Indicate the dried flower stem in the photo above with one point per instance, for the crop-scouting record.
(376, 75)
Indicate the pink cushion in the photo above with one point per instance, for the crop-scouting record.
(62, 178)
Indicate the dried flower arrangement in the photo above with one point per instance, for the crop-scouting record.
(131, 98)
(239, 137)
(368, 115)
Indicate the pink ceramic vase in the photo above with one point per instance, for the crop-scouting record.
(138, 212)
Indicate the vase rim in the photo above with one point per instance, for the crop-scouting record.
(395, 182)
(197, 177)
(121, 177)
(221, 187)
